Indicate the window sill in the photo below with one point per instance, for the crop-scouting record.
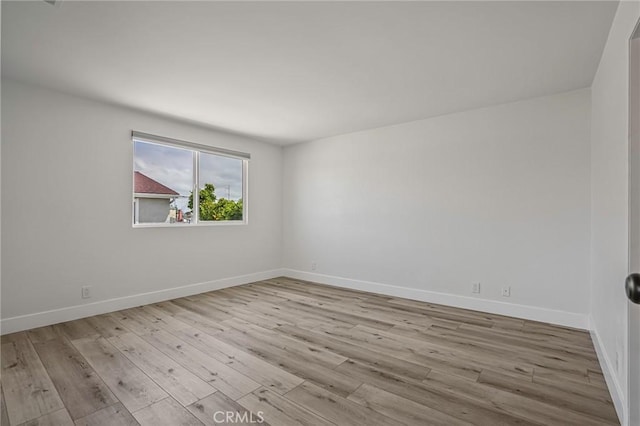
(191, 225)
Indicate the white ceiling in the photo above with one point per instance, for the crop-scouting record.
(295, 71)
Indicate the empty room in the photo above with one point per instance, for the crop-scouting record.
(343, 213)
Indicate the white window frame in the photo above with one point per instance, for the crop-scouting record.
(196, 150)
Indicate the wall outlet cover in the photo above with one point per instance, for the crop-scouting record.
(86, 292)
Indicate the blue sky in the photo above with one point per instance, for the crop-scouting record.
(173, 167)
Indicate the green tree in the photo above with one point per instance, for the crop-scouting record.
(228, 209)
(212, 208)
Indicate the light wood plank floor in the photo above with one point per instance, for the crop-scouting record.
(297, 353)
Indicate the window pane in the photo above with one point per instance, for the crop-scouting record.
(163, 181)
(220, 187)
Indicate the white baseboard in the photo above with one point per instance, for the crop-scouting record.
(568, 319)
(617, 395)
(39, 319)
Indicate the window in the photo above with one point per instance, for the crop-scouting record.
(177, 183)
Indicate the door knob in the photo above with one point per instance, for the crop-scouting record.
(632, 286)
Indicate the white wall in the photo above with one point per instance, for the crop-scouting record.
(153, 210)
(498, 195)
(609, 163)
(66, 210)
(0, 166)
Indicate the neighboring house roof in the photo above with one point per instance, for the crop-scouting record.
(145, 185)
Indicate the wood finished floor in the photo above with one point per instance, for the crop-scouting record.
(302, 353)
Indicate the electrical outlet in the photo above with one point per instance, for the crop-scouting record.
(314, 266)
(506, 291)
(475, 287)
(86, 292)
